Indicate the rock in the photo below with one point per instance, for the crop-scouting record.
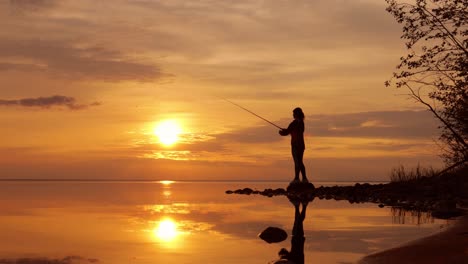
(445, 205)
(300, 187)
(279, 191)
(446, 209)
(310, 197)
(282, 261)
(439, 195)
(447, 214)
(247, 191)
(273, 235)
(463, 202)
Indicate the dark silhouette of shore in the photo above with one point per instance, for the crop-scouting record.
(442, 196)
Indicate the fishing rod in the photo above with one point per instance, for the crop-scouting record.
(243, 108)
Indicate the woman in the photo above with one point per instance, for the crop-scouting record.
(296, 130)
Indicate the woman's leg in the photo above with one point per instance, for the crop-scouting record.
(297, 167)
(300, 164)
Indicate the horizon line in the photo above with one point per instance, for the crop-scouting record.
(160, 180)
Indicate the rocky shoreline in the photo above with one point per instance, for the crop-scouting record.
(443, 196)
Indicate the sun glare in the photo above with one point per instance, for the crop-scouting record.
(166, 182)
(166, 230)
(168, 132)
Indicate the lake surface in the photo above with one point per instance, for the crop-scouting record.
(187, 222)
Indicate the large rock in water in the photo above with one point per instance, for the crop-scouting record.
(282, 261)
(300, 187)
(446, 209)
(273, 235)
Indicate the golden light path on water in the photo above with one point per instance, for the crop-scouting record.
(166, 182)
(166, 230)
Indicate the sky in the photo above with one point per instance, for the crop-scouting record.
(85, 85)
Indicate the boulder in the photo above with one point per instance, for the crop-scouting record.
(273, 235)
(247, 191)
(300, 186)
(446, 209)
(282, 261)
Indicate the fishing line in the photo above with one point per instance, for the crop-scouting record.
(245, 109)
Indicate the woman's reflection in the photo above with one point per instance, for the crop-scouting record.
(296, 254)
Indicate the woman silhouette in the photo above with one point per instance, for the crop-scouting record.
(296, 130)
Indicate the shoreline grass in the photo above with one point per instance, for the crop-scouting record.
(403, 174)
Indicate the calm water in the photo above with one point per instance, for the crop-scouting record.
(186, 222)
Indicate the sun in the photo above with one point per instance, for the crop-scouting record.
(168, 132)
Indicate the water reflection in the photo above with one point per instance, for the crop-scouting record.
(401, 215)
(122, 222)
(296, 254)
(166, 231)
(166, 182)
(166, 188)
(167, 193)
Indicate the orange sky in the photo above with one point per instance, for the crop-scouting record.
(119, 68)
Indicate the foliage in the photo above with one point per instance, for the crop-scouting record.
(435, 70)
(401, 174)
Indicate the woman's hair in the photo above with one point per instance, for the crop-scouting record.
(298, 113)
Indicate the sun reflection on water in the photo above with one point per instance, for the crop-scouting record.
(166, 230)
(166, 182)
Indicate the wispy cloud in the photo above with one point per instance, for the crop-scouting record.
(66, 260)
(67, 60)
(32, 4)
(381, 124)
(48, 102)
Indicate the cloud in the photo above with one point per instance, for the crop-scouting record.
(366, 133)
(68, 60)
(258, 134)
(47, 102)
(114, 163)
(383, 124)
(66, 260)
(5, 66)
(250, 41)
(32, 4)
(300, 22)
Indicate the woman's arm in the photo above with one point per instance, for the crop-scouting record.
(287, 131)
(284, 132)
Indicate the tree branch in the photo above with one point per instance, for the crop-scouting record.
(446, 124)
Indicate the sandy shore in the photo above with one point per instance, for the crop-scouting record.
(449, 246)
